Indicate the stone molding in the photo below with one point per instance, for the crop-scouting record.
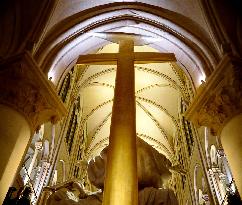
(220, 98)
(25, 88)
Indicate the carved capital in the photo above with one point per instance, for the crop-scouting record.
(25, 88)
(220, 98)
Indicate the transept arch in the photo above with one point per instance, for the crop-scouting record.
(192, 53)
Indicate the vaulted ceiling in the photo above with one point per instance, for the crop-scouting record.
(158, 89)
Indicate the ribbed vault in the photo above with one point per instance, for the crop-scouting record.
(158, 89)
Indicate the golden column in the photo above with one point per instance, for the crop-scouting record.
(121, 184)
(121, 181)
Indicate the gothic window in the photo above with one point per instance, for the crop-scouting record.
(187, 127)
(79, 152)
(73, 124)
(213, 156)
(70, 124)
(66, 85)
(76, 171)
(72, 134)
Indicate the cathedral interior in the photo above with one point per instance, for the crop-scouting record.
(110, 102)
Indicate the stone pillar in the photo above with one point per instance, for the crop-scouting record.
(15, 133)
(121, 184)
(27, 100)
(218, 105)
(231, 139)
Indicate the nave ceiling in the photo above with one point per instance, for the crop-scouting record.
(159, 88)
